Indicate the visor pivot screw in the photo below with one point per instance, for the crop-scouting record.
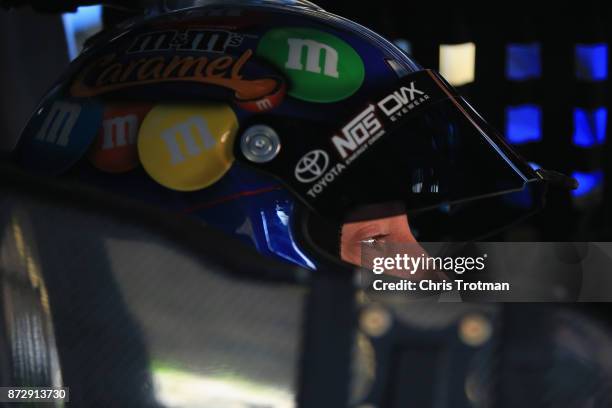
(475, 330)
(375, 321)
(260, 144)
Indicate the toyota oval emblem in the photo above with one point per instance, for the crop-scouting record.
(312, 166)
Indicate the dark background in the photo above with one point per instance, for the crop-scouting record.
(34, 51)
(540, 76)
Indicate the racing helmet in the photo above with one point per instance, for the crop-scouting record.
(276, 122)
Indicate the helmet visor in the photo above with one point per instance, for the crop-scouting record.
(418, 143)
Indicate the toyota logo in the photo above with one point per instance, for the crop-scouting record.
(311, 166)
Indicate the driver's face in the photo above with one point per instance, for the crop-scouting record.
(394, 229)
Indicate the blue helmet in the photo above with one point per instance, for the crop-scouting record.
(273, 121)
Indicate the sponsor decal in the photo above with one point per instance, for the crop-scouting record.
(192, 133)
(112, 73)
(362, 130)
(59, 123)
(311, 166)
(215, 41)
(114, 150)
(329, 177)
(266, 103)
(59, 134)
(357, 136)
(321, 67)
(402, 101)
(187, 148)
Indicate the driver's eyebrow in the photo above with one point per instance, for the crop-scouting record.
(375, 212)
(369, 229)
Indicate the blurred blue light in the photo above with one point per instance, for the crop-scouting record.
(520, 199)
(523, 124)
(404, 45)
(84, 20)
(535, 166)
(590, 127)
(523, 61)
(587, 182)
(591, 62)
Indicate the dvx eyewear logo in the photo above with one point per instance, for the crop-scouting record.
(365, 128)
(402, 101)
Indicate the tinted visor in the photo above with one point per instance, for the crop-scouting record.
(418, 143)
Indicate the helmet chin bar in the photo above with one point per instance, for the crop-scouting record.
(319, 237)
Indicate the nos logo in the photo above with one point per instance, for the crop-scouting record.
(320, 66)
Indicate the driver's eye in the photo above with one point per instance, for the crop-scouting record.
(377, 239)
